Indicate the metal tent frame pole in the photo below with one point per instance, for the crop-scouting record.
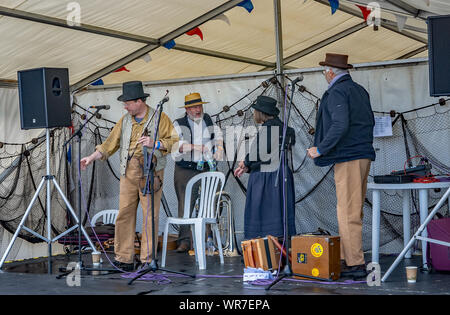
(279, 41)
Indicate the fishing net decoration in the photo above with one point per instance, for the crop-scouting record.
(23, 165)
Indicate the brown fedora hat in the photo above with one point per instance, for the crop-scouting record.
(337, 61)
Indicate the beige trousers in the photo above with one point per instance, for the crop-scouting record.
(125, 230)
(351, 186)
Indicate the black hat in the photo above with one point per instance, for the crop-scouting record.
(267, 105)
(132, 90)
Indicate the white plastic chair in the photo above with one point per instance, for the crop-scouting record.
(211, 182)
(108, 216)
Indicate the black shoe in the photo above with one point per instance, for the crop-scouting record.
(183, 248)
(358, 271)
(123, 266)
(143, 266)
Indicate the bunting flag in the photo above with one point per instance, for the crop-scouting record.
(334, 5)
(247, 4)
(170, 44)
(69, 154)
(401, 21)
(147, 58)
(98, 82)
(122, 69)
(195, 31)
(365, 12)
(222, 17)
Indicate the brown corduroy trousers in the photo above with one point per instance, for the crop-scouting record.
(125, 227)
(351, 186)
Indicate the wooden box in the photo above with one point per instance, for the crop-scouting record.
(316, 256)
(260, 253)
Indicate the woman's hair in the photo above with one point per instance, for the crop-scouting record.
(261, 117)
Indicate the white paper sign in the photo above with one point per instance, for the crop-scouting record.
(383, 126)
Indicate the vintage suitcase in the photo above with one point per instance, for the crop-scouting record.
(316, 256)
(260, 253)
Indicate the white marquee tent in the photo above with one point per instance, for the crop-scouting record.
(239, 50)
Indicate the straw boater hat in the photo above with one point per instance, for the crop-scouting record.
(192, 99)
(336, 61)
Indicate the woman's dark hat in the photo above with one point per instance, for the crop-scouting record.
(267, 105)
(132, 90)
(336, 61)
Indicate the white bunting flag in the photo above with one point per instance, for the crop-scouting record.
(401, 21)
(222, 17)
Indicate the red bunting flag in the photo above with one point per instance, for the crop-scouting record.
(365, 11)
(195, 31)
(122, 69)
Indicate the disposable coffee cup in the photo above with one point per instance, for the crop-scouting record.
(411, 274)
(96, 258)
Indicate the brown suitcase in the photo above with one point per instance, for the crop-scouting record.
(316, 256)
(260, 253)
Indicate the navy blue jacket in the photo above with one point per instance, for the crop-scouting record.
(344, 128)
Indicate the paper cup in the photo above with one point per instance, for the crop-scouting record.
(411, 274)
(96, 258)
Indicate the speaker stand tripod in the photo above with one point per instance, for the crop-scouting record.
(47, 179)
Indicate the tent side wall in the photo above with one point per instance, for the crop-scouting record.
(396, 85)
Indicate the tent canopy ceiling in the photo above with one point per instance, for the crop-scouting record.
(36, 35)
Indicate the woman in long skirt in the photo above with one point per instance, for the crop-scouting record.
(267, 197)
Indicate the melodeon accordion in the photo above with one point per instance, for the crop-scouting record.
(261, 253)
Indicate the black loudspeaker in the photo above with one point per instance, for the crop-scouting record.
(44, 98)
(439, 54)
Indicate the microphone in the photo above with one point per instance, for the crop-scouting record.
(298, 79)
(100, 107)
(165, 99)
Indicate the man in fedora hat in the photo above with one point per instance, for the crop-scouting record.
(200, 145)
(128, 138)
(344, 137)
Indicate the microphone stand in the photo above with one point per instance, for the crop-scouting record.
(79, 134)
(153, 266)
(287, 271)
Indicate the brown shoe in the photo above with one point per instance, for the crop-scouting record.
(183, 248)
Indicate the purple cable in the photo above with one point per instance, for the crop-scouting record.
(264, 282)
(164, 279)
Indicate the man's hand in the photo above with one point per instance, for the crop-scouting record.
(85, 162)
(146, 141)
(89, 159)
(312, 152)
(188, 147)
